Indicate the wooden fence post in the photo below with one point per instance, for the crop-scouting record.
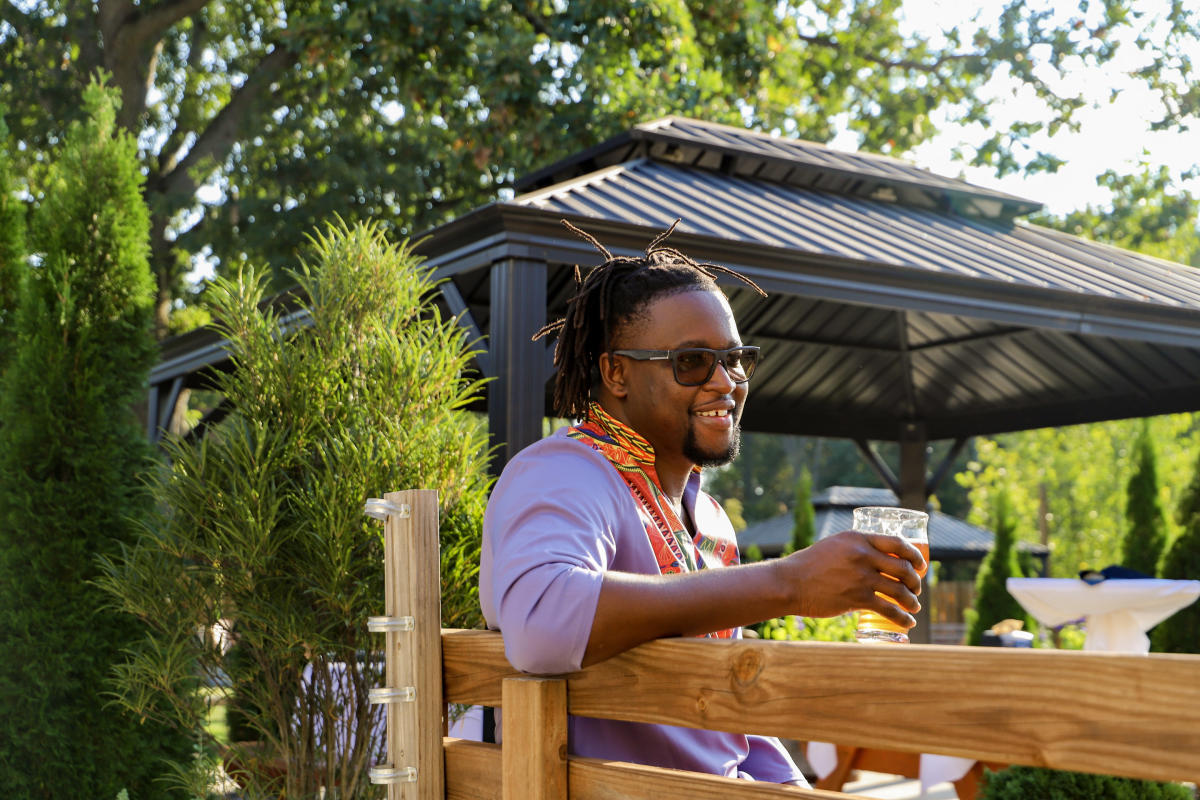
(534, 755)
(413, 646)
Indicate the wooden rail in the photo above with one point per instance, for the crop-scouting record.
(1135, 716)
(1131, 715)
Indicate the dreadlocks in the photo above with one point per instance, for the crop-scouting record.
(613, 293)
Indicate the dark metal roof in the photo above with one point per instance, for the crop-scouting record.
(745, 153)
(884, 314)
(950, 538)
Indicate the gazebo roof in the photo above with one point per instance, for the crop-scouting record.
(900, 301)
(933, 308)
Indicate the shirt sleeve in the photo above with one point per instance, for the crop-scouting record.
(548, 537)
(768, 761)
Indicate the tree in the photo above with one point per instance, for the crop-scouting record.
(993, 603)
(804, 533)
(1180, 633)
(72, 458)
(260, 529)
(409, 112)
(12, 243)
(1146, 536)
(1149, 214)
(1085, 470)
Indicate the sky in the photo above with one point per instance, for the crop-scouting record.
(1113, 135)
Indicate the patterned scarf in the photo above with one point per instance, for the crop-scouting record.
(633, 458)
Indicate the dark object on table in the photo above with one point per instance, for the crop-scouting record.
(1092, 577)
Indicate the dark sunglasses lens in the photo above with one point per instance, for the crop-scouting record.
(693, 367)
(741, 363)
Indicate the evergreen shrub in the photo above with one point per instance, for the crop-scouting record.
(1180, 633)
(260, 531)
(1026, 783)
(73, 458)
(1146, 536)
(993, 603)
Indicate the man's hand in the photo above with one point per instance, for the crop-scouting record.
(842, 573)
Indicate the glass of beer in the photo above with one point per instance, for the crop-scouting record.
(902, 522)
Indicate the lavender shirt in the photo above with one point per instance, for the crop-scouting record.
(560, 517)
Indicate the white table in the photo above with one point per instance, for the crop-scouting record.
(1117, 612)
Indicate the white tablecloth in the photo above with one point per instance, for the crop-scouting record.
(934, 769)
(1117, 612)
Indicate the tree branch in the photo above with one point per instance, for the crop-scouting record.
(168, 157)
(148, 24)
(915, 66)
(218, 138)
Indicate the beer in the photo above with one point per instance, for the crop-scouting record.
(906, 524)
(869, 621)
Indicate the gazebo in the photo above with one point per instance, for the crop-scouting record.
(903, 306)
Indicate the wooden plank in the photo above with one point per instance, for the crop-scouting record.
(472, 767)
(1130, 715)
(535, 739)
(471, 770)
(415, 560)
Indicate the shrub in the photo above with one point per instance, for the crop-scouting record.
(1146, 536)
(808, 629)
(72, 460)
(804, 531)
(261, 529)
(993, 603)
(1025, 783)
(1180, 633)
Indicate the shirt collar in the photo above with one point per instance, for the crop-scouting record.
(625, 437)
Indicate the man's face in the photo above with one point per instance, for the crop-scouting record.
(693, 424)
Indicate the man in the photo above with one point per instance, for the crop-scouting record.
(598, 538)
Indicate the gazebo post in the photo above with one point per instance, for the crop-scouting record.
(516, 398)
(913, 494)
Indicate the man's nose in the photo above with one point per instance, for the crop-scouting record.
(720, 379)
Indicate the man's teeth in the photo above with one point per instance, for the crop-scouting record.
(720, 413)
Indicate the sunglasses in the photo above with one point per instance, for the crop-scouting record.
(694, 366)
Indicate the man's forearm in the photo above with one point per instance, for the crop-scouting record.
(838, 574)
(633, 609)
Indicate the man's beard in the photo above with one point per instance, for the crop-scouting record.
(709, 458)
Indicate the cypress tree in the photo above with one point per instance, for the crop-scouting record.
(1146, 535)
(993, 603)
(804, 532)
(12, 242)
(72, 461)
(1180, 633)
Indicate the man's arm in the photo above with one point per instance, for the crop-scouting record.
(839, 574)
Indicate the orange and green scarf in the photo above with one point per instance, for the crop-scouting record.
(633, 458)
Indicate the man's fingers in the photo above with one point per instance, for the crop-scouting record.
(898, 592)
(905, 567)
(894, 613)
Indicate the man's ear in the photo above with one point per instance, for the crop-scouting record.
(613, 377)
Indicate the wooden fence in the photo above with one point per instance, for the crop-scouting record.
(1136, 716)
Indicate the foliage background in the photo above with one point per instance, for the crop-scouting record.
(260, 533)
(72, 460)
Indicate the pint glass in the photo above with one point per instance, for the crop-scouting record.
(902, 522)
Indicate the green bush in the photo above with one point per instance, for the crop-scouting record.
(260, 526)
(1180, 633)
(72, 462)
(1036, 783)
(804, 530)
(12, 243)
(1146, 536)
(808, 629)
(993, 603)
